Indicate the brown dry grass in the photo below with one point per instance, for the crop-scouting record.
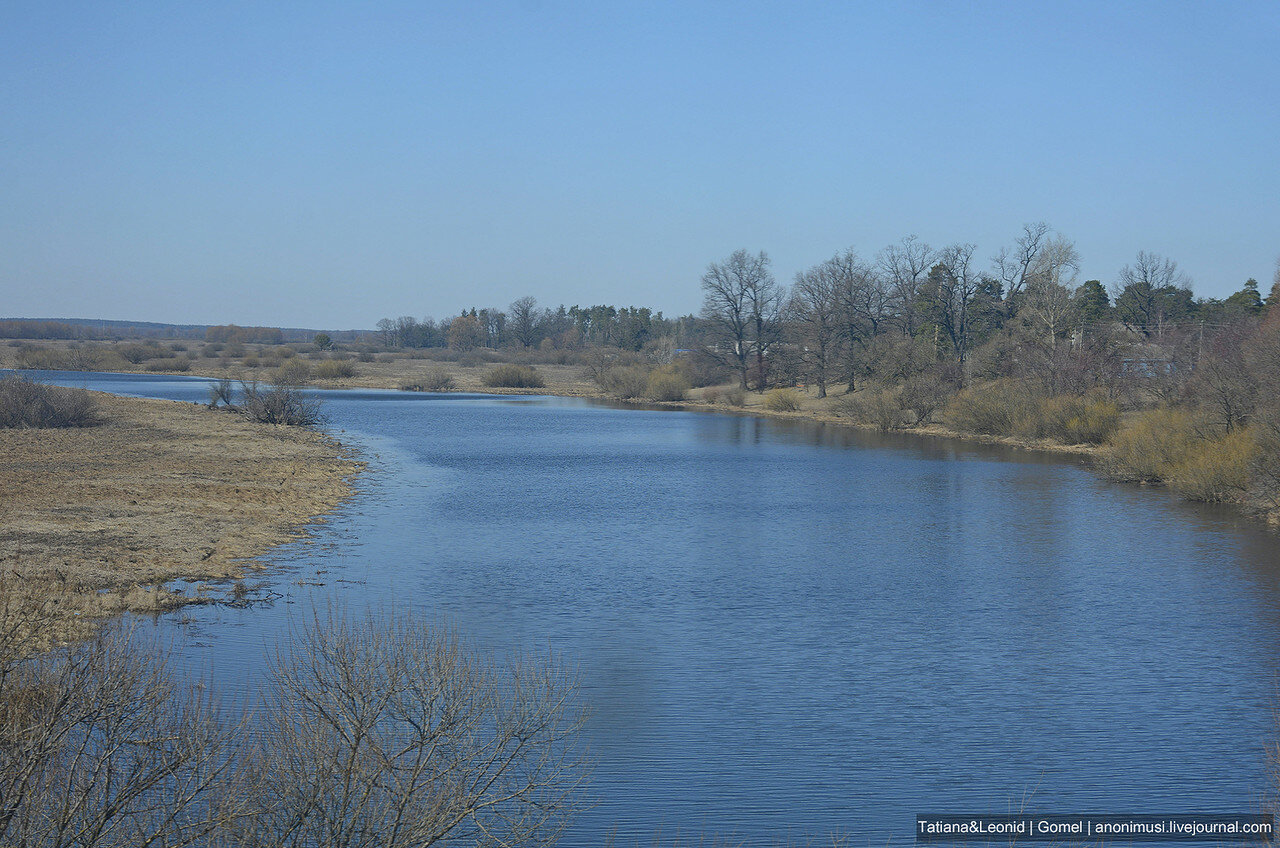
(162, 490)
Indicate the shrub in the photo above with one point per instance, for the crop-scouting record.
(434, 380)
(513, 377)
(711, 394)
(624, 381)
(251, 361)
(27, 404)
(999, 408)
(282, 403)
(73, 359)
(1216, 470)
(172, 364)
(783, 400)
(925, 393)
(879, 408)
(137, 353)
(294, 372)
(1148, 448)
(1075, 420)
(737, 396)
(332, 369)
(365, 356)
(220, 391)
(666, 384)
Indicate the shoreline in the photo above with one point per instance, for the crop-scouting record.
(562, 384)
(98, 520)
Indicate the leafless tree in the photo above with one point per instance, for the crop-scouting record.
(384, 732)
(1143, 292)
(956, 285)
(1016, 267)
(524, 321)
(98, 747)
(1050, 282)
(905, 267)
(740, 301)
(864, 300)
(814, 311)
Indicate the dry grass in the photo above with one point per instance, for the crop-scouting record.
(161, 490)
(783, 400)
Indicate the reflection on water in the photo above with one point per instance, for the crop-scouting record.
(788, 628)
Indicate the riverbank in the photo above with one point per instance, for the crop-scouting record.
(102, 517)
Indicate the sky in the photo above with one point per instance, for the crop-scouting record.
(329, 164)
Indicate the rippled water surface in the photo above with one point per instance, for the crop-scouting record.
(789, 629)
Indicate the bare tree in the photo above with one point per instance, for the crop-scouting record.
(384, 732)
(738, 297)
(905, 267)
(814, 310)
(1016, 267)
(98, 746)
(524, 321)
(1049, 286)
(1148, 291)
(861, 293)
(955, 286)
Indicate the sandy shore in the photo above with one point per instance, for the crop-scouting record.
(162, 490)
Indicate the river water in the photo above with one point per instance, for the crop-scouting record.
(787, 629)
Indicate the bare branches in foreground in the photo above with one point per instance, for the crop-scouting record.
(375, 731)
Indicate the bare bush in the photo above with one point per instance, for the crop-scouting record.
(333, 369)
(25, 403)
(89, 358)
(1074, 420)
(925, 393)
(624, 382)
(434, 380)
(666, 384)
(1150, 446)
(180, 364)
(280, 404)
(98, 746)
(294, 372)
(999, 408)
(1218, 470)
(879, 408)
(387, 732)
(783, 400)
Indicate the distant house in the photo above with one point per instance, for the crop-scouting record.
(1148, 360)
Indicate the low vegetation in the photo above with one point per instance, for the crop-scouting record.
(667, 383)
(333, 369)
(783, 400)
(513, 377)
(25, 403)
(434, 380)
(371, 731)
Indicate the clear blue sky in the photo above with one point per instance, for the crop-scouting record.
(326, 165)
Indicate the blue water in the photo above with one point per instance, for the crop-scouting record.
(788, 629)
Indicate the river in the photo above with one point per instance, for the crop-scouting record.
(788, 629)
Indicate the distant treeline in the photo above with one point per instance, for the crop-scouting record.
(92, 329)
(524, 326)
(43, 330)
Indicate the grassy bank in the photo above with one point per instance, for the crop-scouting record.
(98, 517)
